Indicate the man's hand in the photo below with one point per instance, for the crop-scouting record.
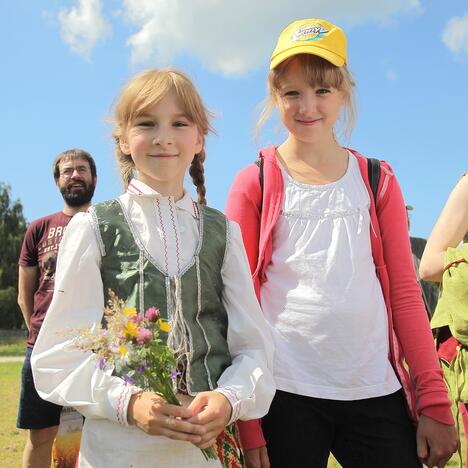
(436, 442)
(28, 278)
(153, 415)
(211, 410)
(257, 458)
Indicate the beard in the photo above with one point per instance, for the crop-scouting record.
(76, 197)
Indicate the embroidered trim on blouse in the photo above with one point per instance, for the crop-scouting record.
(233, 396)
(335, 214)
(134, 189)
(152, 260)
(120, 408)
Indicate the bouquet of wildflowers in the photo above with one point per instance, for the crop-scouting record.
(130, 342)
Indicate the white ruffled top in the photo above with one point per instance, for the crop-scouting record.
(322, 297)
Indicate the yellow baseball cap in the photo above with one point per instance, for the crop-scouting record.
(311, 36)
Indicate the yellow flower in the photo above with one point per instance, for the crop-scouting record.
(130, 311)
(123, 350)
(164, 326)
(131, 330)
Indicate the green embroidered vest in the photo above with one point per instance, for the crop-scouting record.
(133, 274)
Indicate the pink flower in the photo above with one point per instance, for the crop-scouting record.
(144, 336)
(152, 314)
(138, 318)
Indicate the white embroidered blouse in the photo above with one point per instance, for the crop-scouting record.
(169, 232)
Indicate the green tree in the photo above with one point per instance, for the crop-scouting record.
(12, 228)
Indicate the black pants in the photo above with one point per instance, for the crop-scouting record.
(372, 433)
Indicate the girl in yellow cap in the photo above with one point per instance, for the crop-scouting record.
(327, 239)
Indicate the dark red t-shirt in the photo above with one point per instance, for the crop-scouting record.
(40, 247)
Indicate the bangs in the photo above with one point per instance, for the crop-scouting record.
(151, 87)
(150, 93)
(318, 72)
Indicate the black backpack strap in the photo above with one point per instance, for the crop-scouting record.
(373, 173)
(259, 163)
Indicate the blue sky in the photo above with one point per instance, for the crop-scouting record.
(63, 62)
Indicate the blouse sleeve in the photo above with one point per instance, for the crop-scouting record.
(62, 373)
(248, 382)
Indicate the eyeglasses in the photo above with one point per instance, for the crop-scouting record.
(67, 172)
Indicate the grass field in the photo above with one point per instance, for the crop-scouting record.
(11, 439)
(12, 346)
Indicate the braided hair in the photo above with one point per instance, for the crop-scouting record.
(197, 172)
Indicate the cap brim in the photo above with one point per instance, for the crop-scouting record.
(307, 49)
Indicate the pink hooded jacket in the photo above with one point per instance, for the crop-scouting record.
(409, 332)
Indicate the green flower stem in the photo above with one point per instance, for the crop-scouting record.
(210, 453)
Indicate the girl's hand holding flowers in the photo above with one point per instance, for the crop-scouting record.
(129, 343)
(212, 411)
(153, 415)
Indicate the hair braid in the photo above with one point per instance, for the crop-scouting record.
(125, 162)
(197, 172)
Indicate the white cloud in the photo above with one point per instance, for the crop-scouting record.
(234, 37)
(83, 26)
(228, 37)
(455, 35)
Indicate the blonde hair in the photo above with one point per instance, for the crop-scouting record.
(145, 90)
(318, 72)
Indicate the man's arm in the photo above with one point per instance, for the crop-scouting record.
(27, 286)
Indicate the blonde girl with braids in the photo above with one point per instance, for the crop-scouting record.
(155, 246)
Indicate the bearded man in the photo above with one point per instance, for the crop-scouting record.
(75, 176)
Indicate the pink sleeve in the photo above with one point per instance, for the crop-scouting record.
(251, 434)
(243, 207)
(409, 316)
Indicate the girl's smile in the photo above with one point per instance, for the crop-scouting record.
(162, 155)
(308, 122)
